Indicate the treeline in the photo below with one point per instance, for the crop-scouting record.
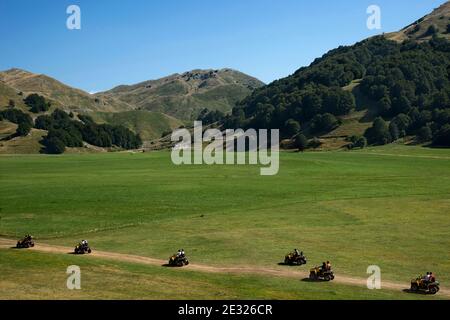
(64, 131)
(405, 80)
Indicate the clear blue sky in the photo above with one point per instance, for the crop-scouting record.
(124, 42)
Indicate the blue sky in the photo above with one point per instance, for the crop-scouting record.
(124, 42)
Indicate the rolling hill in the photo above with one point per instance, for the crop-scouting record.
(61, 95)
(150, 108)
(183, 96)
(383, 89)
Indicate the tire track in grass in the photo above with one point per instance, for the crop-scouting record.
(285, 273)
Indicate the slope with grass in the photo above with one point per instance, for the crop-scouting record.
(385, 206)
(61, 95)
(150, 125)
(419, 30)
(185, 95)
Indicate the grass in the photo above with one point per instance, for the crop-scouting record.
(23, 145)
(150, 125)
(386, 206)
(23, 278)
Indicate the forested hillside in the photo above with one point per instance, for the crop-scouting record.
(407, 83)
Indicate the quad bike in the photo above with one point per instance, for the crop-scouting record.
(420, 285)
(82, 249)
(294, 259)
(178, 261)
(26, 242)
(318, 273)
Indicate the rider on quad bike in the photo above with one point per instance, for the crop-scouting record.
(179, 259)
(26, 242)
(82, 247)
(323, 272)
(427, 284)
(295, 258)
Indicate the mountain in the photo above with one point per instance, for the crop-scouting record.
(384, 90)
(423, 29)
(183, 96)
(59, 94)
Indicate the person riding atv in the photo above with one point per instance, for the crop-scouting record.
(179, 259)
(82, 248)
(427, 284)
(322, 273)
(26, 242)
(295, 258)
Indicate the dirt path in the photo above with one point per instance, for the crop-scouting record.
(285, 273)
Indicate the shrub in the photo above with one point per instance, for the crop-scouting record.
(37, 103)
(54, 146)
(23, 129)
(301, 142)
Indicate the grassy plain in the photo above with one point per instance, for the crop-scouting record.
(387, 206)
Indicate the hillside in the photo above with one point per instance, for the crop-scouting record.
(150, 125)
(439, 20)
(183, 96)
(60, 94)
(385, 90)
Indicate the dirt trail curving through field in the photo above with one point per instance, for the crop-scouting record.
(255, 270)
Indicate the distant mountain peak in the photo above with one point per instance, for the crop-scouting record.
(184, 95)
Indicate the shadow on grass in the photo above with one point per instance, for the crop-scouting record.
(415, 292)
(313, 280)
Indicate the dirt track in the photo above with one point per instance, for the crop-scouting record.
(286, 273)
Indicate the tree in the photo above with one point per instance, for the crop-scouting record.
(402, 122)
(43, 122)
(424, 134)
(378, 134)
(394, 131)
(442, 137)
(301, 142)
(54, 146)
(37, 103)
(357, 142)
(23, 129)
(324, 123)
(448, 28)
(385, 105)
(432, 30)
(292, 127)
(361, 142)
(11, 103)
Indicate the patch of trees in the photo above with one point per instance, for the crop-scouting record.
(210, 117)
(379, 133)
(64, 132)
(23, 120)
(37, 103)
(357, 142)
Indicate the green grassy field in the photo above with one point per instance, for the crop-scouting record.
(387, 206)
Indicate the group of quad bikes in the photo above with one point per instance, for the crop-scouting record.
(427, 284)
(324, 272)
